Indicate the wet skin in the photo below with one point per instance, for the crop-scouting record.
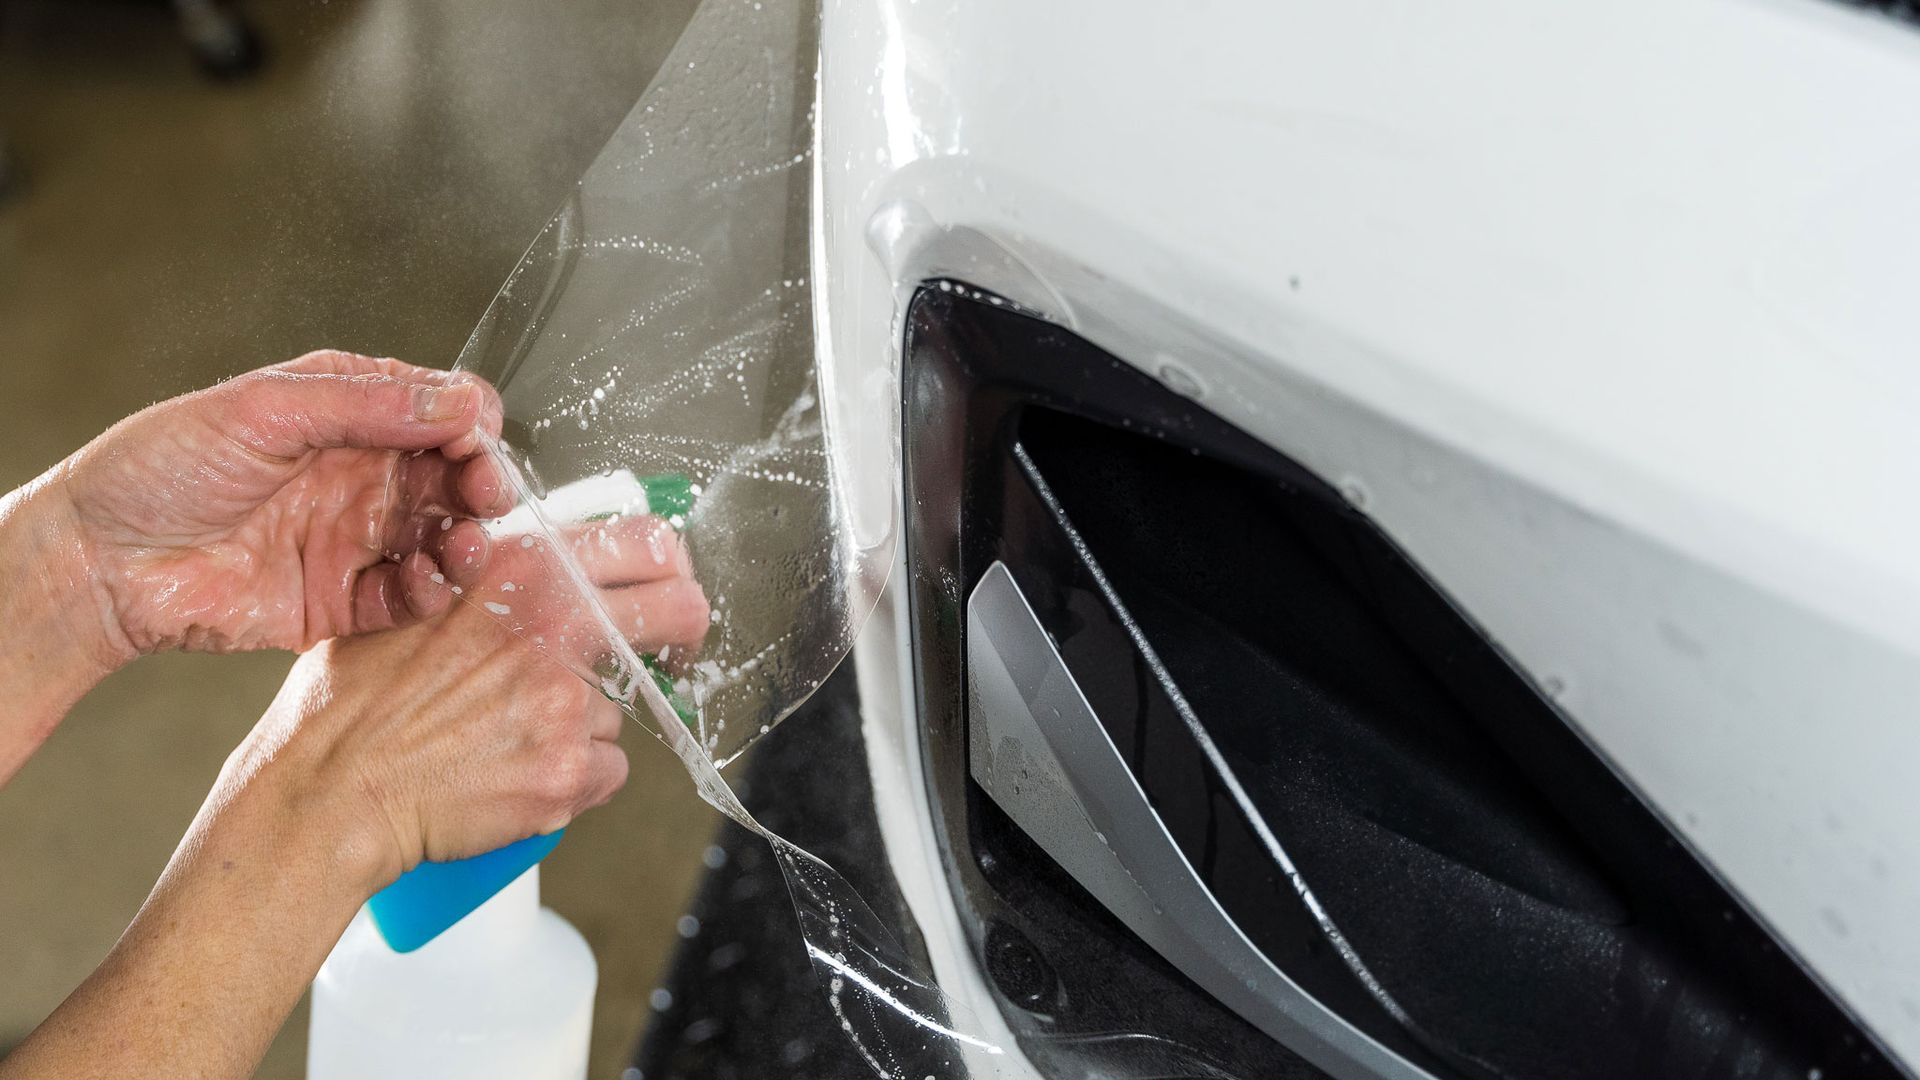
(282, 509)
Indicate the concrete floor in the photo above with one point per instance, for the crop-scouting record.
(368, 190)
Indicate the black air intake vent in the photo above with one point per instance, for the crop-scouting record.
(1391, 814)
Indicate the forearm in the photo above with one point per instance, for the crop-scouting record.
(51, 648)
(234, 931)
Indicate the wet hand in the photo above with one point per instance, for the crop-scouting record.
(442, 740)
(639, 575)
(250, 515)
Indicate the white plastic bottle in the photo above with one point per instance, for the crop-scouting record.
(505, 992)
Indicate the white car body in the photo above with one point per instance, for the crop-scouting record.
(1600, 311)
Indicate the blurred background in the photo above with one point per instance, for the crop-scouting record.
(179, 205)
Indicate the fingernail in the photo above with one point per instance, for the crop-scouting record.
(432, 403)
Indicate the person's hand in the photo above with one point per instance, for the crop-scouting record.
(249, 515)
(478, 727)
(642, 578)
(442, 740)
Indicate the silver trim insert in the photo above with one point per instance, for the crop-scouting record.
(1038, 750)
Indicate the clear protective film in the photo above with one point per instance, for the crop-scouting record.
(676, 533)
(654, 355)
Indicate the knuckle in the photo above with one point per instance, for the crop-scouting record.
(252, 409)
(560, 713)
(318, 360)
(251, 387)
(549, 770)
(607, 784)
(621, 769)
(546, 729)
(564, 699)
(564, 775)
(371, 387)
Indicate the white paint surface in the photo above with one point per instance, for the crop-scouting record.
(1605, 306)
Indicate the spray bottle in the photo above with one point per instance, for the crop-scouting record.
(455, 969)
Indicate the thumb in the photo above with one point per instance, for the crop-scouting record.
(285, 414)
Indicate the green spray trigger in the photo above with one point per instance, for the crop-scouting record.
(682, 708)
(669, 495)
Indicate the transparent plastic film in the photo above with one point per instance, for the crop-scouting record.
(672, 524)
(654, 356)
(569, 586)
